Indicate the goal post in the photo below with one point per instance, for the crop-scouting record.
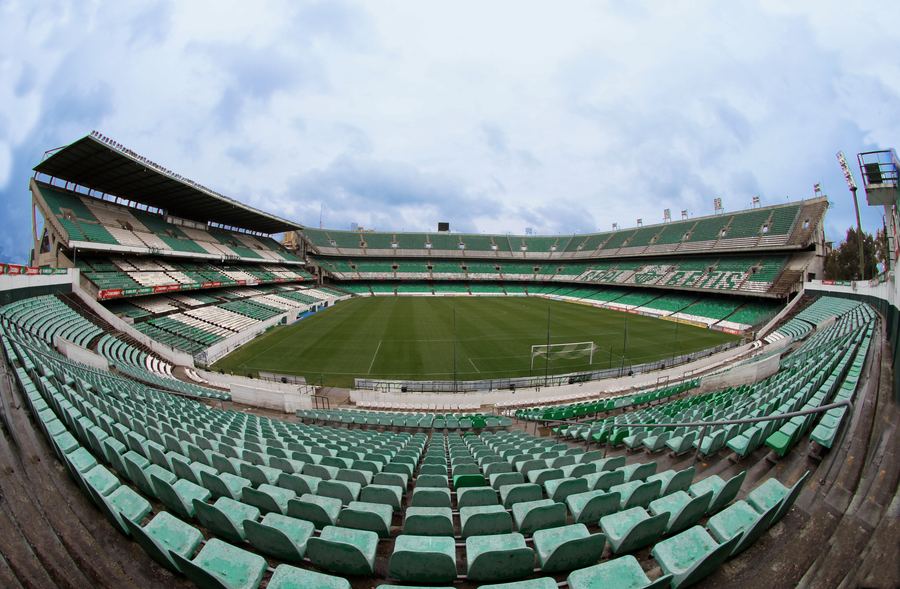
(564, 351)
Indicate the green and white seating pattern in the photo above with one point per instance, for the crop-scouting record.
(809, 377)
(269, 493)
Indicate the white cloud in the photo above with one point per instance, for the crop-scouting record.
(565, 117)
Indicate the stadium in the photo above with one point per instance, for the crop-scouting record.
(429, 295)
(214, 395)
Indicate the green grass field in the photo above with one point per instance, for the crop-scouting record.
(422, 337)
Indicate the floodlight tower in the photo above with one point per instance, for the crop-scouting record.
(851, 183)
(881, 180)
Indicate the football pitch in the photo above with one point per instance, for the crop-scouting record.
(467, 338)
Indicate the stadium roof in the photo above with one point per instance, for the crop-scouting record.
(97, 162)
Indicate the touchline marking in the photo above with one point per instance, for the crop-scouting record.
(375, 355)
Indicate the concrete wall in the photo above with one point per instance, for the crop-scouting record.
(74, 352)
(748, 373)
(229, 380)
(23, 286)
(288, 402)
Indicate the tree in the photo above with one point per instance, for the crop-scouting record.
(843, 261)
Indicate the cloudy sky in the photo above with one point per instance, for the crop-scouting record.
(495, 116)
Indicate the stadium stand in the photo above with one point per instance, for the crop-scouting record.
(256, 488)
(135, 475)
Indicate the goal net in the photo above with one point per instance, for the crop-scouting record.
(566, 351)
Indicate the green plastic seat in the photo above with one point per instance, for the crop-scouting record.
(260, 474)
(321, 511)
(290, 577)
(101, 479)
(141, 475)
(360, 477)
(579, 470)
(432, 481)
(268, 498)
(427, 559)
(436, 469)
(224, 484)
(346, 491)
(772, 492)
(723, 491)
(632, 529)
(360, 515)
(428, 521)
(637, 493)
(674, 480)
(430, 497)
(691, 555)
(511, 494)
(180, 496)
(383, 494)
(624, 572)
(740, 519)
(461, 481)
(320, 471)
(605, 480)
(638, 471)
(501, 479)
(298, 483)
(124, 503)
(220, 565)
(559, 489)
(475, 496)
(683, 510)
(225, 518)
(500, 557)
(542, 475)
(485, 520)
(679, 445)
(537, 515)
(344, 551)
(280, 536)
(609, 464)
(567, 547)
(589, 507)
(165, 535)
(393, 479)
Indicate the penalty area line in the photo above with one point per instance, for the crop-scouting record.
(375, 355)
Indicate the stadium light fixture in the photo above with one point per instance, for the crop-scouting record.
(684, 214)
(667, 215)
(851, 184)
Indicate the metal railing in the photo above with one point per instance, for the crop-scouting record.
(706, 424)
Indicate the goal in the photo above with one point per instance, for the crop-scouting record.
(566, 351)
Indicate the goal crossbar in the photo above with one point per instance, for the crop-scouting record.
(566, 351)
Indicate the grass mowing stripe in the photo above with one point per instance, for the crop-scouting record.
(415, 337)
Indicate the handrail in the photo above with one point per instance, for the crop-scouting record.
(705, 424)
